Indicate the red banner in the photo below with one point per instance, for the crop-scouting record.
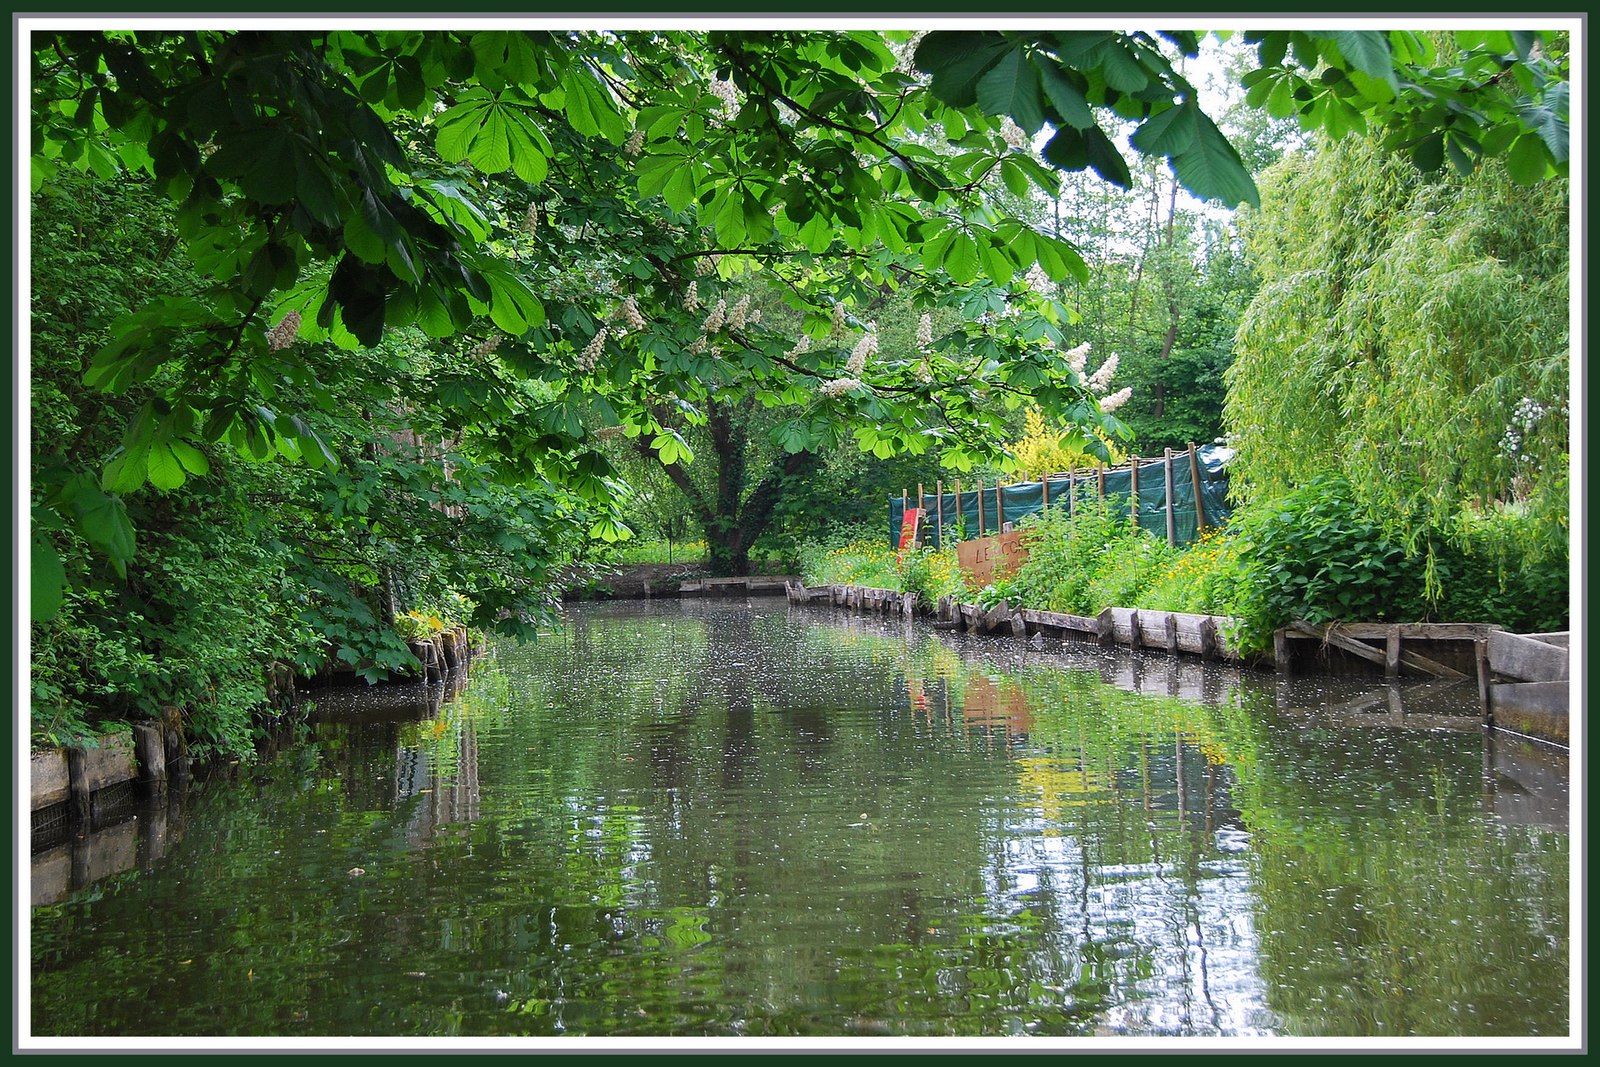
(908, 528)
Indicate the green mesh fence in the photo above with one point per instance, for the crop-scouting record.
(1010, 503)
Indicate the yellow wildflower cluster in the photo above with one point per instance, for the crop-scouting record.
(869, 563)
(943, 568)
(1196, 577)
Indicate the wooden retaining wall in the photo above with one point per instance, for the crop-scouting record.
(76, 776)
(1523, 679)
(1527, 680)
(104, 847)
(153, 752)
(446, 651)
(1201, 635)
(749, 585)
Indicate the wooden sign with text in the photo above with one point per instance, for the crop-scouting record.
(988, 558)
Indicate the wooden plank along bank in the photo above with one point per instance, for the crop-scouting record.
(86, 786)
(1167, 630)
(1522, 680)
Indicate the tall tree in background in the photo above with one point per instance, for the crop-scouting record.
(1411, 332)
(1165, 292)
(344, 178)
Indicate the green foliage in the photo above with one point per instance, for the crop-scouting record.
(1058, 78)
(1492, 567)
(1314, 554)
(345, 185)
(1206, 578)
(1165, 295)
(1181, 343)
(335, 321)
(850, 555)
(1513, 83)
(1411, 334)
(419, 625)
(1083, 562)
(199, 615)
(858, 555)
(932, 573)
(253, 562)
(631, 552)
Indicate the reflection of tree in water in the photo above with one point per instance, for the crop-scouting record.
(1390, 901)
(1057, 959)
(732, 821)
(1121, 796)
(1101, 907)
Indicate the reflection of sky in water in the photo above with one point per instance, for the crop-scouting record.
(1191, 928)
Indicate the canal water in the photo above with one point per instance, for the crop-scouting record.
(746, 818)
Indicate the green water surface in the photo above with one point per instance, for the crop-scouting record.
(750, 819)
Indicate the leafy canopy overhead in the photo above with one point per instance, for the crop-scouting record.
(566, 212)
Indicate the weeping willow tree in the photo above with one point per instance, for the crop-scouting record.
(1412, 334)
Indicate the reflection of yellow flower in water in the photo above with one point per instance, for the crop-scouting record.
(1059, 784)
(1209, 744)
(944, 662)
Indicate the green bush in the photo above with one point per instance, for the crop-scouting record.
(194, 623)
(1084, 562)
(1314, 554)
(1498, 567)
(859, 555)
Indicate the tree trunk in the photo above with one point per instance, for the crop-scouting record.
(731, 520)
(1159, 408)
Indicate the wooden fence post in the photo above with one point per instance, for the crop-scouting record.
(980, 507)
(1480, 655)
(1199, 498)
(1044, 487)
(1133, 491)
(938, 513)
(1105, 627)
(1101, 471)
(961, 515)
(1172, 524)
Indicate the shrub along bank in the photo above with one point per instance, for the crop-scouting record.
(857, 555)
(1311, 554)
